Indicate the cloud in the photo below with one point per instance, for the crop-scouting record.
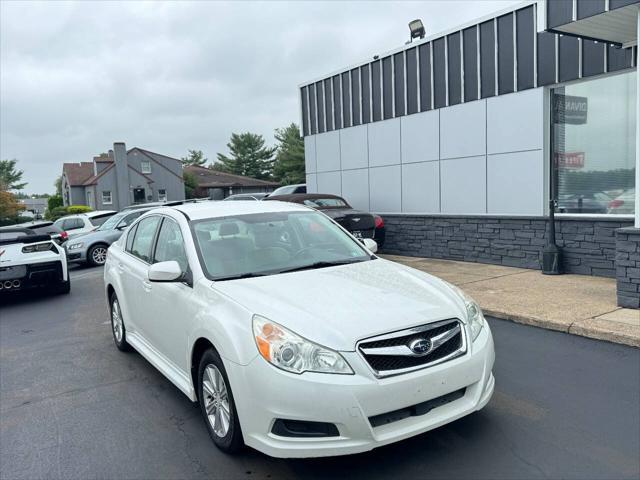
(168, 76)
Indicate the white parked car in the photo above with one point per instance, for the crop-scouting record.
(82, 223)
(30, 261)
(293, 337)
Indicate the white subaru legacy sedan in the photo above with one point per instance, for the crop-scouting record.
(294, 338)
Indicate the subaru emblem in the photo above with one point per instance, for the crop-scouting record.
(420, 346)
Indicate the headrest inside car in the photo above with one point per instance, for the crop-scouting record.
(228, 229)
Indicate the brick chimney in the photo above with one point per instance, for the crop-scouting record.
(122, 175)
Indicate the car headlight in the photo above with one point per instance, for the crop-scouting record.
(475, 318)
(75, 246)
(293, 353)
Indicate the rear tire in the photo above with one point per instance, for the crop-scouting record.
(97, 255)
(217, 405)
(117, 325)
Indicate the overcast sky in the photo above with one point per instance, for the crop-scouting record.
(76, 77)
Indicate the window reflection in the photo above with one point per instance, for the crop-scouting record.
(594, 125)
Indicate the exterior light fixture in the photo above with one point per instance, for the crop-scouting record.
(417, 29)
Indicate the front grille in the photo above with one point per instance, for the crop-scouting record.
(392, 353)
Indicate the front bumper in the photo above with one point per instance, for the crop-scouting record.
(76, 256)
(264, 393)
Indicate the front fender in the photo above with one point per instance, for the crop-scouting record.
(225, 324)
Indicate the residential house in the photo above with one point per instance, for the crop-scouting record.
(218, 185)
(121, 178)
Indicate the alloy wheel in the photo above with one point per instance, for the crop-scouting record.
(216, 400)
(99, 255)
(116, 321)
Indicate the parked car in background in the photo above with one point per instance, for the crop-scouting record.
(91, 248)
(359, 224)
(83, 222)
(293, 337)
(247, 196)
(45, 228)
(593, 202)
(137, 206)
(30, 261)
(624, 204)
(290, 189)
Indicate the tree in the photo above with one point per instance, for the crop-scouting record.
(195, 157)
(9, 176)
(55, 201)
(249, 156)
(10, 208)
(58, 185)
(190, 184)
(289, 165)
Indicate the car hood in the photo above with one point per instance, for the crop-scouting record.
(337, 306)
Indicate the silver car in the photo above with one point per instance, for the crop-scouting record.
(91, 248)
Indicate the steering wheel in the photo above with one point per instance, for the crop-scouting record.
(301, 252)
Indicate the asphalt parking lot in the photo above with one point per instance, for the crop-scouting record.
(72, 406)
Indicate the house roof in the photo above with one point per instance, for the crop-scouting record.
(208, 178)
(93, 179)
(77, 173)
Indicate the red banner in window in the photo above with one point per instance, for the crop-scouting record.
(573, 160)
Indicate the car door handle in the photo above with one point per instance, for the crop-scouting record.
(120, 267)
(146, 285)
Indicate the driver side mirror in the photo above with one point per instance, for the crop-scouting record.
(371, 244)
(165, 272)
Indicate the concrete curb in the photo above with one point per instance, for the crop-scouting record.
(590, 328)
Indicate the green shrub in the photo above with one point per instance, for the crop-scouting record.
(56, 213)
(54, 202)
(74, 209)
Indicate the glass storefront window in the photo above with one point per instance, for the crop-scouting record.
(594, 126)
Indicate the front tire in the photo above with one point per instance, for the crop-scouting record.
(64, 288)
(117, 324)
(97, 255)
(217, 404)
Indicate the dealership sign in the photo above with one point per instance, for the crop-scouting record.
(570, 109)
(570, 160)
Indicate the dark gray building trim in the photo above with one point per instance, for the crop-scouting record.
(590, 8)
(505, 54)
(470, 48)
(559, 12)
(387, 88)
(376, 90)
(398, 79)
(525, 48)
(487, 60)
(425, 77)
(454, 68)
(412, 80)
(439, 74)
(305, 110)
(443, 72)
(592, 58)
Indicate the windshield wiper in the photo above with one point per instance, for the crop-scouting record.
(240, 276)
(323, 264)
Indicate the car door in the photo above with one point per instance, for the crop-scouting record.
(171, 308)
(134, 272)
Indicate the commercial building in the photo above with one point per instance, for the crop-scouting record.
(121, 178)
(219, 185)
(462, 138)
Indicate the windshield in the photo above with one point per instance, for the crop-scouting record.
(113, 221)
(272, 243)
(325, 202)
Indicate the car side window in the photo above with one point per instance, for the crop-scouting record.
(126, 221)
(72, 224)
(143, 239)
(170, 245)
(130, 238)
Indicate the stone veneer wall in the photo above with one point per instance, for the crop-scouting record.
(628, 267)
(588, 244)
